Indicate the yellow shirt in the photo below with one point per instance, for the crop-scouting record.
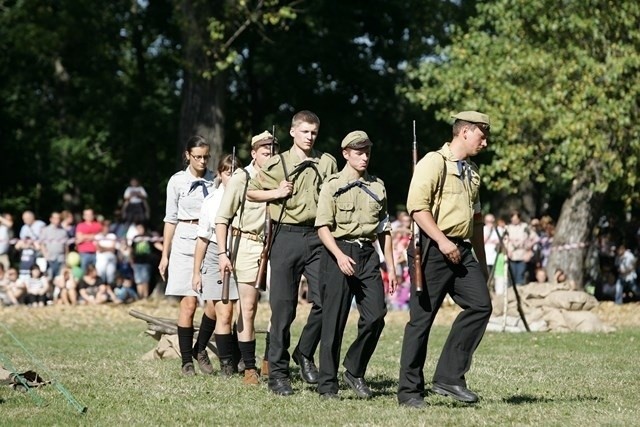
(354, 213)
(300, 207)
(251, 218)
(460, 195)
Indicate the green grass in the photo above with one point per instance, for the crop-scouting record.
(523, 379)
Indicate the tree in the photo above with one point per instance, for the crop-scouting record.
(561, 82)
(210, 47)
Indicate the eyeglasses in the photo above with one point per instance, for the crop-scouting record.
(206, 157)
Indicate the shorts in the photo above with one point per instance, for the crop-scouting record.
(141, 273)
(247, 258)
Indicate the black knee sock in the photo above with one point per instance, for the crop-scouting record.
(266, 346)
(234, 346)
(185, 341)
(207, 325)
(248, 353)
(225, 347)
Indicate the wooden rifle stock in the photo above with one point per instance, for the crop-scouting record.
(418, 275)
(261, 279)
(263, 263)
(226, 275)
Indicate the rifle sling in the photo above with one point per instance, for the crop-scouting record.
(236, 242)
(425, 240)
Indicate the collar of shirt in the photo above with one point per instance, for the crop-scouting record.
(208, 175)
(348, 175)
(314, 156)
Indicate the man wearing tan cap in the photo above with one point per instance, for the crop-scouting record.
(352, 215)
(291, 183)
(241, 260)
(444, 202)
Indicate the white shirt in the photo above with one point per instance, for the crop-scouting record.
(208, 212)
(182, 203)
(135, 194)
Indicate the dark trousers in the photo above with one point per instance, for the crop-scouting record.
(295, 250)
(337, 292)
(468, 288)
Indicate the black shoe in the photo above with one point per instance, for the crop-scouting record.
(329, 396)
(188, 370)
(280, 386)
(358, 385)
(413, 403)
(308, 370)
(458, 392)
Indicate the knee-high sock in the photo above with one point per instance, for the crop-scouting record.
(234, 345)
(225, 347)
(207, 326)
(185, 341)
(248, 353)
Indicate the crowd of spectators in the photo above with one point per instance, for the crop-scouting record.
(518, 252)
(79, 260)
(90, 259)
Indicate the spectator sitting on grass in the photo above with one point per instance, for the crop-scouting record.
(37, 288)
(124, 289)
(66, 288)
(92, 291)
(16, 288)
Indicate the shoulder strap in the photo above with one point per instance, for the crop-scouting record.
(284, 167)
(443, 176)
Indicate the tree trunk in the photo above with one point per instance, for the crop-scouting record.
(203, 88)
(573, 232)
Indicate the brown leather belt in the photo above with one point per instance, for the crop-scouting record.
(189, 221)
(250, 236)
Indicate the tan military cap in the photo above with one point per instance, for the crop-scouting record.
(472, 117)
(356, 140)
(265, 138)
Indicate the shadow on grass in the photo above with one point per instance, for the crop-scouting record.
(521, 399)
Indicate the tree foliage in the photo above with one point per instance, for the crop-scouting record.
(95, 93)
(88, 93)
(561, 82)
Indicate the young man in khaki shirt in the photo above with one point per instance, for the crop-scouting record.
(241, 259)
(352, 215)
(444, 202)
(291, 183)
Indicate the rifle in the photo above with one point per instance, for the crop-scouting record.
(261, 278)
(226, 276)
(415, 230)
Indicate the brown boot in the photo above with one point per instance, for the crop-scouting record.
(203, 361)
(250, 377)
(188, 370)
(264, 372)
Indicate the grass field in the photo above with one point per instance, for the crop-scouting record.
(523, 379)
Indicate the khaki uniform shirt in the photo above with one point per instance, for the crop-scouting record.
(353, 214)
(300, 207)
(460, 195)
(248, 220)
